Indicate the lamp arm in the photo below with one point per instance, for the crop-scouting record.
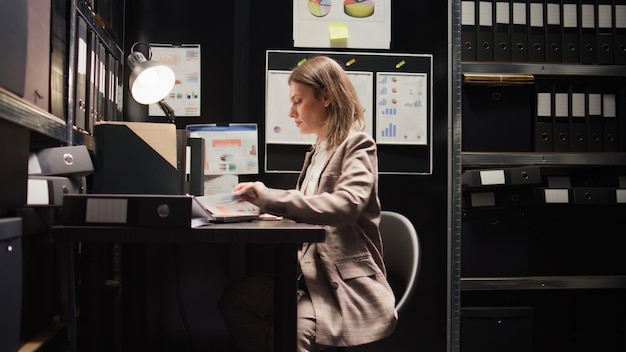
(167, 109)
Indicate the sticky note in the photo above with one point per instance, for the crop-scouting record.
(338, 31)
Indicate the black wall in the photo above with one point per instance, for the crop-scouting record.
(233, 37)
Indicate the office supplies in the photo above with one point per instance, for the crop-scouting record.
(73, 161)
(588, 45)
(561, 115)
(595, 136)
(468, 30)
(604, 27)
(578, 120)
(610, 121)
(553, 35)
(502, 31)
(543, 117)
(570, 30)
(519, 31)
(135, 158)
(49, 190)
(620, 32)
(80, 106)
(13, 43)
(226, 207)
(173, 211)
(484, 33)
(11, 278)
(536, 32)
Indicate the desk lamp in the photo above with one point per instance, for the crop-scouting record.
(150, 80)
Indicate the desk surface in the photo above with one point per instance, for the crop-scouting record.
(284, 231)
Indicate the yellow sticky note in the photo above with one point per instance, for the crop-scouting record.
(338, 31)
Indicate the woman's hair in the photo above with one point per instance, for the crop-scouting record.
(328, 79)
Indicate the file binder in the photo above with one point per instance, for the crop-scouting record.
(80, 109)
(553, 35)
(561, 130)
(519, 31)
(468, 30)
(93, 83)
(588, 45)
(578, 121)
(502, 31)
(50, 190)
(484, 34)
(571, 33)
(595, 136)
(37, 77)
(604, 26)
(536, 32)
(620, 32)
(609, 118)
(543, 117)
(72, 161)
(510, 176)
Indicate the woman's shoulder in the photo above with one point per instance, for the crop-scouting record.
(359, 137)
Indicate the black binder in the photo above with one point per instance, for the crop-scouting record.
(553, 36)
(484, 33)
(604, 26)
(80, 109)
(587, 27)
(609, 118)
(543, 117)
(561, 114)
(519, 31)
(571, 34)
(502, 31)
(468, 30)
(593, 110)
(578, 121)
(536, 32)
(196, 168)
(620, 32)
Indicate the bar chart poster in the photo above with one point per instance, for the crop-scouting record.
(402, 108)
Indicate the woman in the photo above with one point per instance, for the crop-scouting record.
(344, 296)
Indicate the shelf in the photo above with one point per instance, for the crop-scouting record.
(544, 69)
(543, 283)
(18, 111)
(481, 159)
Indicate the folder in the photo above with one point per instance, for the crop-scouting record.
(595, 134)
(620, 32)
(519, 31)
(578, 120)
(536, 32)
(468, 30)
(71, 161)
(604, 26)
(80, 108)
(571, 33)
(197, 160)
(502, 31)
(561, 130)
(543, 117)
(553, 35)
(588, 46)
(171, 211)
(92, 85)
(49, 190)
(610, 121)
(135, 158)
(484, 33)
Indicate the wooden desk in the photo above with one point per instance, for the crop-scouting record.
(284, 235)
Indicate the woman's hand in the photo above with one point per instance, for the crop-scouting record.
(250, 191)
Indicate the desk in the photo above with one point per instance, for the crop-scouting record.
(284, 235)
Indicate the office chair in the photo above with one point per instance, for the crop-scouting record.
(401, 251)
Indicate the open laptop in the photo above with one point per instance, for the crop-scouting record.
(224, 208)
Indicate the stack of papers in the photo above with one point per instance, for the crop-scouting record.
(222, 207)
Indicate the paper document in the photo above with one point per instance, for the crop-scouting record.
(224, 207)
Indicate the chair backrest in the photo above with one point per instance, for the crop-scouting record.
(401, 251)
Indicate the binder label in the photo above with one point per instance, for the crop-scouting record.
(492, 177)
(106, 210)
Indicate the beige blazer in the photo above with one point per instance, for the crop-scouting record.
(345, 275)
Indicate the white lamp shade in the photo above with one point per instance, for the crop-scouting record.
(150, 81)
